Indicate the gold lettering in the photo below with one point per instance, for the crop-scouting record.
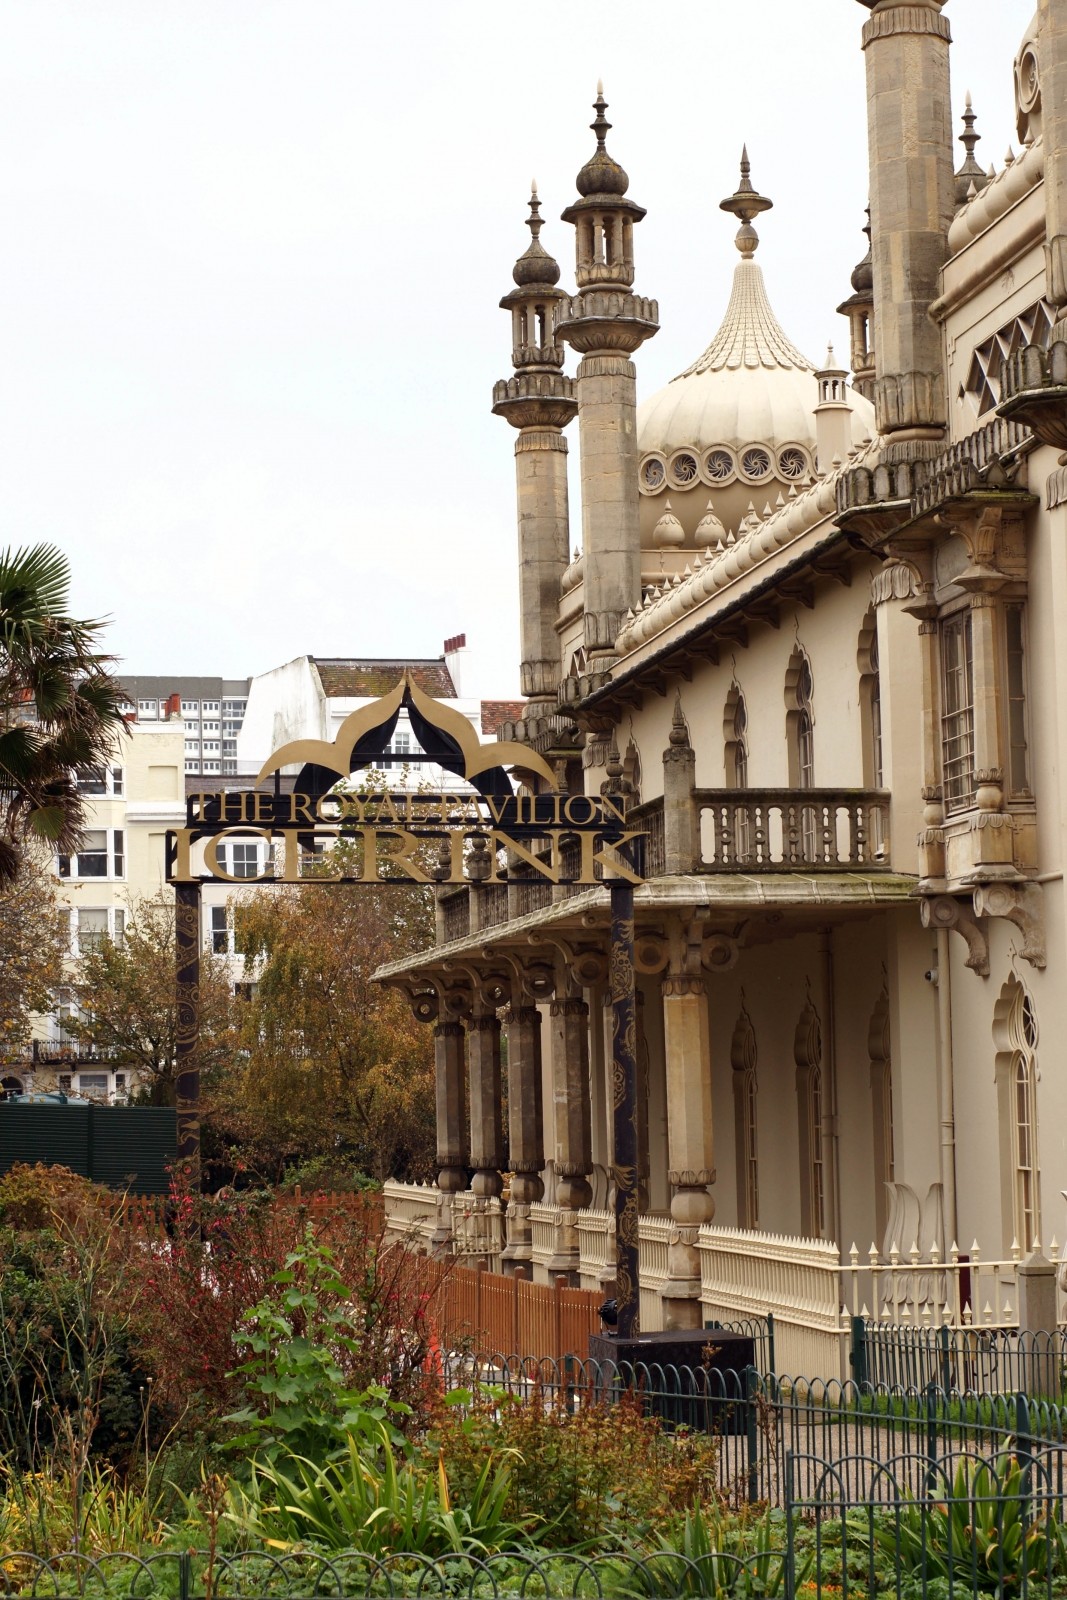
(608, 857)
(330, 808)
(183, 871)
(579, 809)
(300, 808)
(497, 806)
(257, 807)
(549, 869)
(610, 810)
(402, 857)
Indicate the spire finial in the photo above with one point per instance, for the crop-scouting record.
(601, 126)
(679, 734)
(970, 172)
(534, 221)
(745, 204)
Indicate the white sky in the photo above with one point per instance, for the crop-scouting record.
(251, 257)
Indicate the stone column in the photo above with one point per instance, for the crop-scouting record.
(932, 836)
(451, 1126)
(906, 45)
(993, 852)
(606, 323)
(487, 1127)
(690, 1140)
(526, 1154)
(569, 1024)
(1052, 46)
(681, 823)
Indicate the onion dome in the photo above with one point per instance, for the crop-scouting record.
(863, 272)
(668, 529)
(741, 419)
(709, 529)
(535, 265)
(601, 173)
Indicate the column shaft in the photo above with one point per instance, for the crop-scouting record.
(690, 1139)
(611, 531)
(451, 1124)
(569, 1022)
(911, 187)
(544, 531)
(625, 1122)
(526, 1154)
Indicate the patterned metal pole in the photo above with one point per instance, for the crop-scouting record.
(624, 1084)
(187, 1039)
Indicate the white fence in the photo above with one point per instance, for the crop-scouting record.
(812, 1292)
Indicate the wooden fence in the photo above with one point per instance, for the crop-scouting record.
(489, 1314)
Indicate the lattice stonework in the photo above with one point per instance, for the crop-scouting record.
(984, 375)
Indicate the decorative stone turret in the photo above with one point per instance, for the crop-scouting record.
(539, 401)
(906, 46)
(833, 415)
(859, 309)
(970, 179)
(606, 323)
(1045, 83)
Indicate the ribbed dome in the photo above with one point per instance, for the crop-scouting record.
(752, 386)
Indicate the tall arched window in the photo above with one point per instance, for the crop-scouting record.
(871, 720)
(800, 739)
(1016, 1034)
(881, 1109)
(735, 750)
(807, 1052)
(743, 1061)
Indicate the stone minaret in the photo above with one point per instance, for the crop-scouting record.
(906, 45)
(539, 401)
(1052, 48)
(605, 322)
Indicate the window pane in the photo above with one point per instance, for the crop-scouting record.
(92, 780)
(92, 857)
(1018, 764)
(957, 718)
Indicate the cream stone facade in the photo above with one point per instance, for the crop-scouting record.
(816, 627)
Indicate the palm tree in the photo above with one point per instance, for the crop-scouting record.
(59, 705)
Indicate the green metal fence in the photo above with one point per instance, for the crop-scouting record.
(991, 1360)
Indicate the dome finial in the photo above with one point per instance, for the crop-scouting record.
(745, 204)
(601, 173)
(535, 265)
(970, 172)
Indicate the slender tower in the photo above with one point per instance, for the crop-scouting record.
(906, 46)
(539, 401)
(605, 322)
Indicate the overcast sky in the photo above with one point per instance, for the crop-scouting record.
(251, 257)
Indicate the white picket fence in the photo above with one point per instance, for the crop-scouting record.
(811, 1290)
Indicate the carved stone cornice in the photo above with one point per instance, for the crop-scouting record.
(890, 21)
(536, 400)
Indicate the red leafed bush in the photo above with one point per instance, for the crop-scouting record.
(217, 1261)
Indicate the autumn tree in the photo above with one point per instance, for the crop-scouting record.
(126, 998)
(329, 1061)
(32, 947)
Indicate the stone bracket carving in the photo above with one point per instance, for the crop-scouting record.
(1020, 903)
(945, 911)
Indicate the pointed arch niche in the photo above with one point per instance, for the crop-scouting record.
(1015, 1035)
(878, 1051)
(743, 1062)
(807, 1053)
(735, 763)
(800, 741)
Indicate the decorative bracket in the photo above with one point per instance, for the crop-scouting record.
(1020, 903)
(944, 911)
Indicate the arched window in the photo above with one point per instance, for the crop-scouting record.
(1016, 1035)
(743, 1061)
(871, 720)
(735, 752)
(807, 1052)
(881, 1110)
(800, 739)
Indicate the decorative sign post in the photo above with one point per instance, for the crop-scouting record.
(488, 824)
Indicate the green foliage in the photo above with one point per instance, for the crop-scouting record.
(984, 1533)
(599, 1477)
(720, 1556)
(298, 1336)
(376, 1503)
(327, 1174)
